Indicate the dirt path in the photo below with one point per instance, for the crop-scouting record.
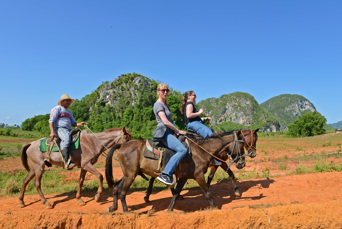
(282, 201)
(313, 200)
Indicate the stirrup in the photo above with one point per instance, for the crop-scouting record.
(69, 165)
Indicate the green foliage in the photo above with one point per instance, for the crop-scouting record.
(38, 123)
(309, 124)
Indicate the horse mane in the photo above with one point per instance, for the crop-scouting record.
(198, 139)
(112, 129)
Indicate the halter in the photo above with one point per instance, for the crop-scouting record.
(250, 147)
(238, 155)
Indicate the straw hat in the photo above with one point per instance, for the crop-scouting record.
(64, 97)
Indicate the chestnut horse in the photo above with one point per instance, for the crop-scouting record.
(85, 157)
(133, 162)
(249, 137)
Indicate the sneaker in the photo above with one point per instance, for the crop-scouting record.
(165, 179)
(69, 165)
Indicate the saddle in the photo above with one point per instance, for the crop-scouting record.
(156, 150)
(46, 145)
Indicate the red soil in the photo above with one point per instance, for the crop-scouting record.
(282, 201)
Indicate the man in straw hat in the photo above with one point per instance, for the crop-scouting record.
(60, 122)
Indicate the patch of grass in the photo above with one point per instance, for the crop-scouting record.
(10, 183)
(327, 144)
(282, 166)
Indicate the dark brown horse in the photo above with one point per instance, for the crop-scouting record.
(250, 138)
(133, 162)
(85, 157)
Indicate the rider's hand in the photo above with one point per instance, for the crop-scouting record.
(52, 135)
(201, 111)
(182, 132)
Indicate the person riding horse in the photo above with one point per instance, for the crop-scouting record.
(60, 122)
(164, 131)
(192, 117)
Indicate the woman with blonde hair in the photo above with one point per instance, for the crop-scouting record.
(164, 131)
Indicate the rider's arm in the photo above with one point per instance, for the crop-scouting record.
(168, 124)
(190, 113)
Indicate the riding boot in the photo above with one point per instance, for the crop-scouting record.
(67, 160)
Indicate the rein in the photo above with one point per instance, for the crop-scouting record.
(103, 152)
(244, 137)
(239, 155)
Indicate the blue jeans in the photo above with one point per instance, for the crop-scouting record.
(64, 135)
(174, 144)
(199, 128)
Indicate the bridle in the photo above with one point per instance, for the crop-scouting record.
(230, 159)
(250, 147)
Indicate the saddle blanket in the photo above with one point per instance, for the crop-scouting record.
(75, 143)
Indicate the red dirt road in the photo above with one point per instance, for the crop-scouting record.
(310, 200)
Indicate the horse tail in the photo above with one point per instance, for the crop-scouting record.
(109, 166)
(24, 156)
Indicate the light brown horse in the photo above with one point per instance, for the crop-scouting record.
(85, 157)
(250, 138)
(133, 162)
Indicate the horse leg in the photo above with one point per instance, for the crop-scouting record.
(149, 190)
(232, 177)
(26, 180)
(176, 192)
(212, 172)
(37, 182)
(117, 186)
(90, 168)
(201, 182)
(126, 183)
(80, 184)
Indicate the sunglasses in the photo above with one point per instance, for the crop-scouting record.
(164, 90)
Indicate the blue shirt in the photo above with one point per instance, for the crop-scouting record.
(62, 117)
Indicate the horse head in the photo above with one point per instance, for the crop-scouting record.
(250, 138)
(235, 150)
(125, 135)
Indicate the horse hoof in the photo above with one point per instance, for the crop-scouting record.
(48, 205)
(238, 194)
(81, 202)
(97, 197)
(21, 204)
(146, 199)
(110, 209)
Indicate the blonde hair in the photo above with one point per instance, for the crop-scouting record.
(162, 86)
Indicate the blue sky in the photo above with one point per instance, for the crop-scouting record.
(264, 48)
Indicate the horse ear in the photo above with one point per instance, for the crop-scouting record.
(256, 130)
(124, 130)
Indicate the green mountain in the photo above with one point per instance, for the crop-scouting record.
(128, 101)
(287, 107)
(238, 110)
(337, 125)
